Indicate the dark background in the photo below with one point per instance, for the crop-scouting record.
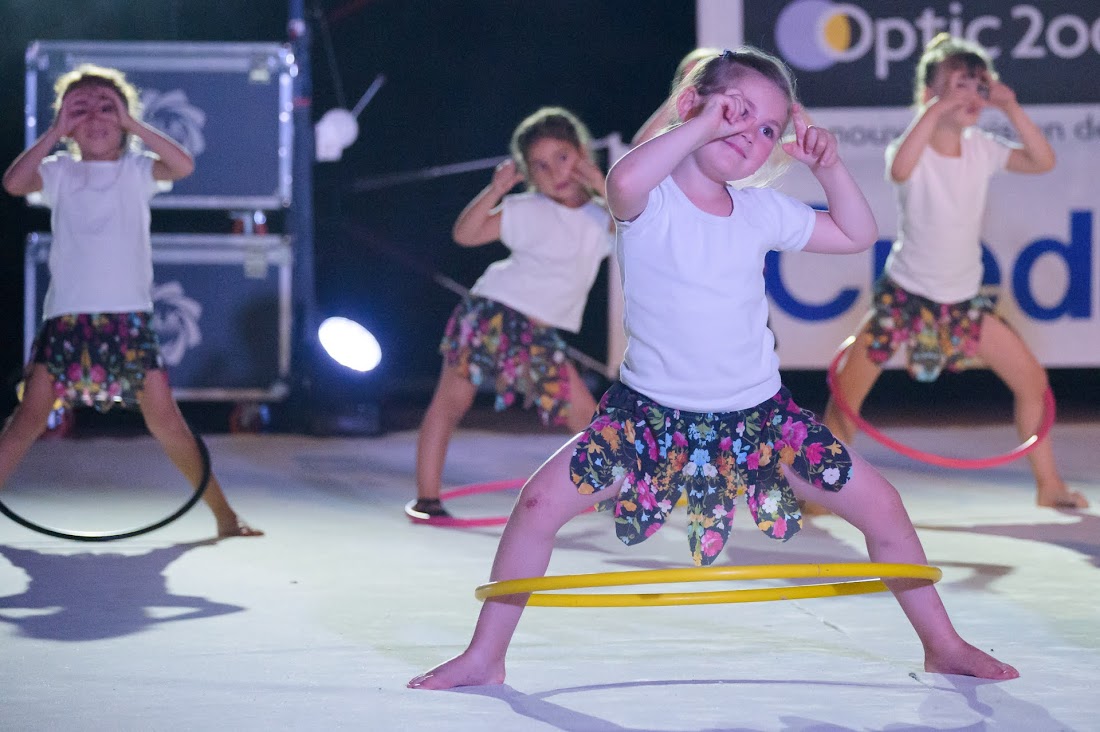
(459, 76)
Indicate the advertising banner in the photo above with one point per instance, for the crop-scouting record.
(854, 62)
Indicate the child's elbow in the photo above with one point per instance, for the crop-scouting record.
(869, 240)
(863, 238)
(14, 187)
(463, 238)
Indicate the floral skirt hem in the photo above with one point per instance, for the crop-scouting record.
(485, 339)
(937, 336)
(98, 359)
(659, 454)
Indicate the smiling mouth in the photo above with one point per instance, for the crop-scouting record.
(737, 148)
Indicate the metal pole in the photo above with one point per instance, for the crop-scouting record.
(300, 217)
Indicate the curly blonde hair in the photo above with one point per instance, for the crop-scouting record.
(86, 75)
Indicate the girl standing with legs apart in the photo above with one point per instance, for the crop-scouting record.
(930, 297)
(700, 409)
(96, 344)
(558, 232)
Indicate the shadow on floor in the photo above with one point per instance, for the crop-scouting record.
(91, 596)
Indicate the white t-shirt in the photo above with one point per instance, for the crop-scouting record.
(555, 255)
(696, 312)
(941, 206)
(101, 258)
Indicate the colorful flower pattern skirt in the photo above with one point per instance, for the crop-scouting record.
(98, 359)
(937, 336)
(488, 340)
(661, 453)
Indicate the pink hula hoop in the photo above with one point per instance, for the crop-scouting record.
(468, 490)
(932, 458)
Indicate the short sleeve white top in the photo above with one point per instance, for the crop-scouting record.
(101, 257)
(696, 311)
(555, 255)
(937, 253)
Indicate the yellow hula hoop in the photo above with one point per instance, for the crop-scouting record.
(537, 585)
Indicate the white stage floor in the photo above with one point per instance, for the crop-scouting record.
(319, 624)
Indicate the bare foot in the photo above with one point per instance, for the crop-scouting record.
(966, 660)
(1060, 496)
(462, 670)
(236, 527)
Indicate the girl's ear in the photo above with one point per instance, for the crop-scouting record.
(687, 102)
(927, 95)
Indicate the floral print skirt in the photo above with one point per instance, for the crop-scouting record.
(937, 336)
(98, 359)
(486, 339)
(662, 453)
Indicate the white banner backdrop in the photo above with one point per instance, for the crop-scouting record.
(1041, 237)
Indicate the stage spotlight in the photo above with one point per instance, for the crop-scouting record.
(346, 381)
(350, 344)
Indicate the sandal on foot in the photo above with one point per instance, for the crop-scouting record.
(431, 507)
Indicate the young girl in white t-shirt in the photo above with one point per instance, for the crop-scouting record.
(507, 329)
(930, 298)
(96, 345)
(700, 410)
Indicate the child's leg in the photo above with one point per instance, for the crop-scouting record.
(546, 503)
(1011, 359)
(27, 422)
(163, 418)
(454, 395)
(856, 374)
(582, 405)
(870, 503)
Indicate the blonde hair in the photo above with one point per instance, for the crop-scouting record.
(690, 60)
(952, 52)
(86, 75)
(557, 123)
(714, 74)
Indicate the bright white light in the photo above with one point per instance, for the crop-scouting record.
(350, 344)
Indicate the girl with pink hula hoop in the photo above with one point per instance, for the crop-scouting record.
(930, 297)
(508, 329)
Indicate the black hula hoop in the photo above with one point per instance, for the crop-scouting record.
(102, 536)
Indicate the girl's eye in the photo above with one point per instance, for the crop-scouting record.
(768, 132)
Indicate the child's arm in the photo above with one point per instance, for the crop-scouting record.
(1036, 155)
(849, 225)
(22, 177)
(174, 163)
(919, 133)
(642, 169)
(478, 223)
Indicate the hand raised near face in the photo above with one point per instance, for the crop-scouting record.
(815, 146)
(999, 94)
(119, 108)
(588, 174)
(73, 111)
(505, 176)
(727, 114)
(958, 90)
